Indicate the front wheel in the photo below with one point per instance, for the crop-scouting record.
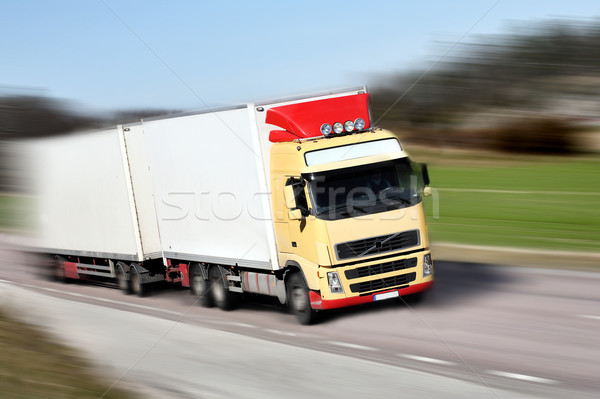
(299, 301)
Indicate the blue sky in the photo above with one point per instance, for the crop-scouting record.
(225, 52)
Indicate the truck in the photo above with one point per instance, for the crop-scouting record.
(298, 198)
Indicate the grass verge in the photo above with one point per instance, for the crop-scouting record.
(34, 366)
(520, 201)
(15, 212)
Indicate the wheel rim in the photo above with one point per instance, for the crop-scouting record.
(198, 284)
(298, 299)
(135, 283)
(217, 289)
(121, 279)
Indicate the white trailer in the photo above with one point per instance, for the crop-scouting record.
(226, 202)
(127, 200)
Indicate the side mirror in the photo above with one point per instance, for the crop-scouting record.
(295, 199)
(290, 198)
(425, 174)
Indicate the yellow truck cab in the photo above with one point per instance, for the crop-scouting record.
(347, 208)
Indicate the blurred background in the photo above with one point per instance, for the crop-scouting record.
(500, 98)
(504, 108)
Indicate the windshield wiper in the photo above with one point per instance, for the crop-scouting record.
(396, 198)
(346, 207)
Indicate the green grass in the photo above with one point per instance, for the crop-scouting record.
(549, 203)
(14, 213)
(33, 366)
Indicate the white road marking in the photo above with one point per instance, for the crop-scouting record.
(244, 325)
(95, 298)
(133, 305)
(522, 377)
(593, 255)
(587, 316)
(278, 332)
(427, 359)
(353, 346)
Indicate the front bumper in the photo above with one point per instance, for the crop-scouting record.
(318, 303)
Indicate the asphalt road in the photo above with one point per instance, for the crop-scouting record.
(483, 331)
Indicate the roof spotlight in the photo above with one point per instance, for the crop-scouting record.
(348, 126)
(326, 129)
(359, 123)
(338, 127)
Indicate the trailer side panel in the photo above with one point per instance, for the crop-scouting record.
(83, 196)
(208, 193)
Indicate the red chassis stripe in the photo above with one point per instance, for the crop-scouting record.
(318, 303)
(185, 278)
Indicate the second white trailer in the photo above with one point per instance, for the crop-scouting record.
(209, 188)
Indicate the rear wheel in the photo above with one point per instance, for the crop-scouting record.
(299, 301)
(221, 296)
(59, 269)
(122, 280)
(136, 282)
(200, 287)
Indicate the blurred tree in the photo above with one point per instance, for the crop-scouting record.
(24, 117)
(29, 116)
(542, 70)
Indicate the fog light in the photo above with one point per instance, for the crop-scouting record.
(427, 265)
(335, 285)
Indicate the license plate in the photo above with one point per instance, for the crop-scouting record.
(387, 295)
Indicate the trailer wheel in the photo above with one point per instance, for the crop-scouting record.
(59, 270)
(136, 282)
(299, 301)
(221, 296)
(122, 281)
(200, 287)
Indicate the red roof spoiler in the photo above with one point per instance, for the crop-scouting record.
(304, 120)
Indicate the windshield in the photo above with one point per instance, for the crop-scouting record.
(365, 189)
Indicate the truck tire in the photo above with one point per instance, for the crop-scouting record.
(221, 296)
(59, 270)
(299, 301)
(200, 287)
(122, 281)
(136, 285)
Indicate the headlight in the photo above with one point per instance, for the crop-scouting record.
(335, 285)
(359, 124)
(427, 265)
(348, 126)
(338, 128)
(326, 129)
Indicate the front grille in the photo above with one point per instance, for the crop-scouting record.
(383, 283)
(377, 245)
(381, 268)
